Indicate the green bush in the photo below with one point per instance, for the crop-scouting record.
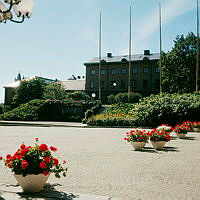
(50, 110)
(123, 98)
(152, 111)
(25, 112)
(167, 108)
(78, 95)
(111, 99)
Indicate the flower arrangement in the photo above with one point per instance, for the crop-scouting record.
(181, 129)
(136, 136)
(165, 127)
(188, 124)
(196, 124)
(159, 135)
(37, 159)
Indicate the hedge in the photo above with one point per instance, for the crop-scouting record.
(152, 111)
(49, 110)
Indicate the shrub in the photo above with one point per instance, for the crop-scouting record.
(25, 112)
(111, 99)
(123, 98)
(167, 108)
(48, 110)
(152, 111)
(78, 95)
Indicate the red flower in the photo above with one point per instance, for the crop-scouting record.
(9, 165)
(24, 151)
(1, 158)
(45, 173)
(24, 164)
(43, 147)
(53, 148)
(140, 138)
(47, 159)
(43, 165)
(8, 156)
(55, 161)
(23, 146)
(36, 139)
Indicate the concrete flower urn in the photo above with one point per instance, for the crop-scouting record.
(196, 129)
(158, 144)
(138, 145)
(31, 183)
(181, 135)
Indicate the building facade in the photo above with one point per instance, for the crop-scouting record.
(144, 74)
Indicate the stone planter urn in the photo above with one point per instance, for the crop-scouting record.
(181, 135)
(158, 144)
(31, 183)
(196, 129)
(138, 145)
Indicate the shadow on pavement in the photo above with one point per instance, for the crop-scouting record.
(49, 192)
(166, 149)
(189, 138)
(152, 150)
(174, 137)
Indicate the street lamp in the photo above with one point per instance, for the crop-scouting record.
(21, 8)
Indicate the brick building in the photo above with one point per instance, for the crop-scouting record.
(145, 74)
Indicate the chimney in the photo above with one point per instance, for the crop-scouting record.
(109, 55)
(147, 52)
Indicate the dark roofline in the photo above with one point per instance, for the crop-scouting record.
(118, 59)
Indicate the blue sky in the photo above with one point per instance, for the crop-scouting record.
(60, 37)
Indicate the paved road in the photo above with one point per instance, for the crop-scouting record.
(102, 163)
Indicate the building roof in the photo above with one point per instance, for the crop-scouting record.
(73, 85)
(17, 83)
(124, 58)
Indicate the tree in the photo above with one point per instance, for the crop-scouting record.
(179, 65)
(54, 91)
(29, 90)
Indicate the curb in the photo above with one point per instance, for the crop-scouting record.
(42, 124)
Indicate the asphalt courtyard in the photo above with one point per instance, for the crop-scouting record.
(102, 163)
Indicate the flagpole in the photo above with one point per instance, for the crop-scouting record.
(100, 56)
(160, 63)
(129, 68)
(197, 53)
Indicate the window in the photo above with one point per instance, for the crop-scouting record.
(113, 71)
(157, 70)
(157, 84)
(123, 84)
(135, 70)
(102, 84)
(103, 71)
(93, 72)
(123, 70)
(91, 84)
(134, 83)
(146, 69)
(145, 84)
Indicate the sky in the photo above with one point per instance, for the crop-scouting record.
(59, 37)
